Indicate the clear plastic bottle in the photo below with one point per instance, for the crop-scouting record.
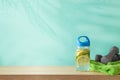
(83, 53)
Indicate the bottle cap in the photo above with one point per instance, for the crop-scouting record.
(83, 41)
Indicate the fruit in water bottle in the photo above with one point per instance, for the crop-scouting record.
(82, 57)
(82, 60)
(83, 52)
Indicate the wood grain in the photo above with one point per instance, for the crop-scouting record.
(51, 73)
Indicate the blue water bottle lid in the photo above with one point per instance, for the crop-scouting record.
(83, 41)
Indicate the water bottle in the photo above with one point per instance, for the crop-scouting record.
(83, 53)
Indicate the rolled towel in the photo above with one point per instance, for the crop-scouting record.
(112, 68)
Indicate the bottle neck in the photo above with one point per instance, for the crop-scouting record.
(79, 47)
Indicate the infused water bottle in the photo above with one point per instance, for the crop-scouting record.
(83, 53)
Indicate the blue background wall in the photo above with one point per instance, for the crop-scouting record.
(43, 32)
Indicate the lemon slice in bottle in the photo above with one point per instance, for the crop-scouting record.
(82, 60)
(82, 52)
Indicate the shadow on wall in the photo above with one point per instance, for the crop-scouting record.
(43, 32)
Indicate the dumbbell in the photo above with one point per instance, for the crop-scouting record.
(112, 55)
(98, 57)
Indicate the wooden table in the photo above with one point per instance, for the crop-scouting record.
(50, 73)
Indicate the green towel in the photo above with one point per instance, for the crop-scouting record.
(112, 68)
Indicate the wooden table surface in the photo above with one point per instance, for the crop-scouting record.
(49, 70)
(50, 73)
